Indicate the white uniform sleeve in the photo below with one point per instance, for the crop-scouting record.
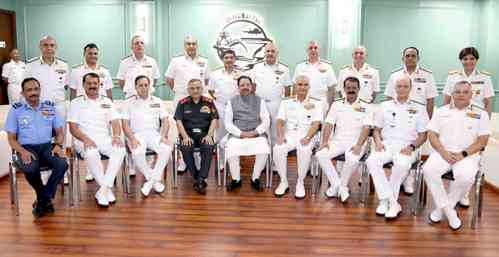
(448, 86)
(73, 79)
(163, 113)
(264, 117)
(170, 71)
(122, 71)
(5, 71)
(155, 70)
(282, 114)
(125, 111)
(317, 114)
(341, 79)
(28, 71)
(434, 124)
(331, 77)
(229, 124)
(297, 72)
(108, 80)
(73, 112)
(390, 87)
(207, 71)
(211, 82)
(376, 81)
(369, 117)
(286, 79)
(332, 115)
(485, 128)
(378, 118)
(431, 90)
(422, 121)
(488, 88)
(115, 115)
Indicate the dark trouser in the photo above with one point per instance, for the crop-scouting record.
(44, 158)
(206, 152)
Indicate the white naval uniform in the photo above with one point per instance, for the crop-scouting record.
(183, 68)
(144, 117)
(368, 77)
(14, 73)
(423, 84)
(271, 81)
(53, 80)
(348, 120)
(450, 124)
(321, 76)
(130, 68)
(76, 80)
(93, 117)
(400, 124)
(237, 146)
(479, 80)
(298, 117)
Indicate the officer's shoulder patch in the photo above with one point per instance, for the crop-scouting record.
(364, 101)
(283, 64)
(128, 56)
(397, 69)
(17, 105)
(453, 72)
(132, 97)
(416, 102)
(49, 103)
(477, 107)
(60, 59)
(346, 67)
(313, 98)
(485, 73)
(207, 99)
(425, 69)
(33, 59)
(77, 66)
(185, 100)
(103, 66)
(339, 99)
(326, 61)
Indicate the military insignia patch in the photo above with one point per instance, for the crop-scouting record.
(309, 106)
(473, 115)
(107, 106)
(205, 109)
(420, 80)
(156, 105)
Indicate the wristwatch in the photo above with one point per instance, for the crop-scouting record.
(413, 147)
(464, 153)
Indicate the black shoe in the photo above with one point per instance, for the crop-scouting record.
(464, 206)
(48, 208)
(38, 210)
(200, 188)
(256, 184)
(234, 184)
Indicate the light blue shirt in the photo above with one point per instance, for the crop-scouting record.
(33, 126)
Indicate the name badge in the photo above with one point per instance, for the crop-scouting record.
(420, 80)
(367, 76)
(196, 130)
(412, 111)
(478, 82)
(156, 105)
(205, 109)
(473, 115)
(107, 106)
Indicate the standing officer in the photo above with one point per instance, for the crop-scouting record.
(349, 120)
(29, 127)
(272, 81)
(247, 121)
(91, 64)
(138, 63)
(321, 75)
(483, 90)
(141, 124)
(12, 75)
(400, 129)
(423, 91)
(298, 121)
(367, 75)
(89, 118)
(52, 73)
(197, 119)
(471, 125)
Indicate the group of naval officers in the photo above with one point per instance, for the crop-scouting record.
(262, 112)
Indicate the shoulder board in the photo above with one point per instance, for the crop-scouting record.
(339, 99)
(184, 100)
(132, 96)
(453, 72)
(78, 97)
(485, 73)
(373, 67)
(474, 106)
(416, 102)
(103, 66)
(33, 59)
(425, 69)
(313, 98)
(17, 105)
(326, 61)
(283, 64)
(77, 65)
(50, 103)
(397, 69)
(287, 98)
(126, 57)
(207, 99)
(218, 68)
(364, 101)
(345, 67)
(60, 59)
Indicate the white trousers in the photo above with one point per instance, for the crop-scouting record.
(335, 149)
(303, 156)
(94, 163)
(464, 173)
(14, 93)
(151, 140)
(244, 147)
(273, 108)
(389, 189)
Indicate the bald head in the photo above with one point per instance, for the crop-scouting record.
(313, 50)
(48, 47)
(138, 46)
(302, 85)
(403, 85)
(462, 94)
(271, 53)
(359, 55)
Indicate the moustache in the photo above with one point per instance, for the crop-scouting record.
(351, 92)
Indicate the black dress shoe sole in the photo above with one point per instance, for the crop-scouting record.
(89, 180)
(462, 205)
(380, 214)
(285, 192)
(394, 218)
(100, 205)
(405, 193)
(299, 198)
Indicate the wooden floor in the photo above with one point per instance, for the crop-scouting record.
(242, 223)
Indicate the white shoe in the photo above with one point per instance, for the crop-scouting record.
(101, 197)
(455, 222)
(110, 196)
(393, 211)
(66, 179)
(282, 189)
(300, 190)
(382, 207)
(181, 166)
(332, 191)
(89, 177)
(344, 194)
(436, 215)
(158, 187)
(409, 183)
(146, 188)
(465, 202)
(132, 172)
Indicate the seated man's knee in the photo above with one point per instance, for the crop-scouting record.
(139, 151)
(402, 163)
(322, 154)
(92, 154)
(351, 159)
(374, 161)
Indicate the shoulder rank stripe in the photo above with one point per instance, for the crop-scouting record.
(364, 101)
(474, 106)
(283, 64)
(453, 72)
(60, 59)
(339, 99)
(126, 57)
(485, 73)
(313, 98)
(427, 70)
(398, 69)
(345, 67)
(17, 105)
(326, 61)
(416, 102)
(132, 96)
(77, 65)
(33, 59)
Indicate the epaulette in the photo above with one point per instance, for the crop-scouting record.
(416, 102)
(184, 100)
(218, 68)
(17, 105)
(313, 98)
(202, 56)
(132, 96)
(346, 66)
(283, 64)
(76, 66)
(453, 72)
(485, 73)
(339, 99)
(326, 61)
(364, 101)
(103, 66)
(205, 98)
(126, 57)
(398, 69)
(49, 103)
(60, 59)
(427, 70)
(33, 59)
(477, 107)
(287, 98)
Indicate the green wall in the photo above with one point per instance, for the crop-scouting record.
(7, 4)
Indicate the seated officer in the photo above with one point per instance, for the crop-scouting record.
(246, 121)
(89, 118)
(400, 129)
(470, 125)
(298, 121)
(197, 120)
(29, 126)
(141, 117)
(348, 120)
